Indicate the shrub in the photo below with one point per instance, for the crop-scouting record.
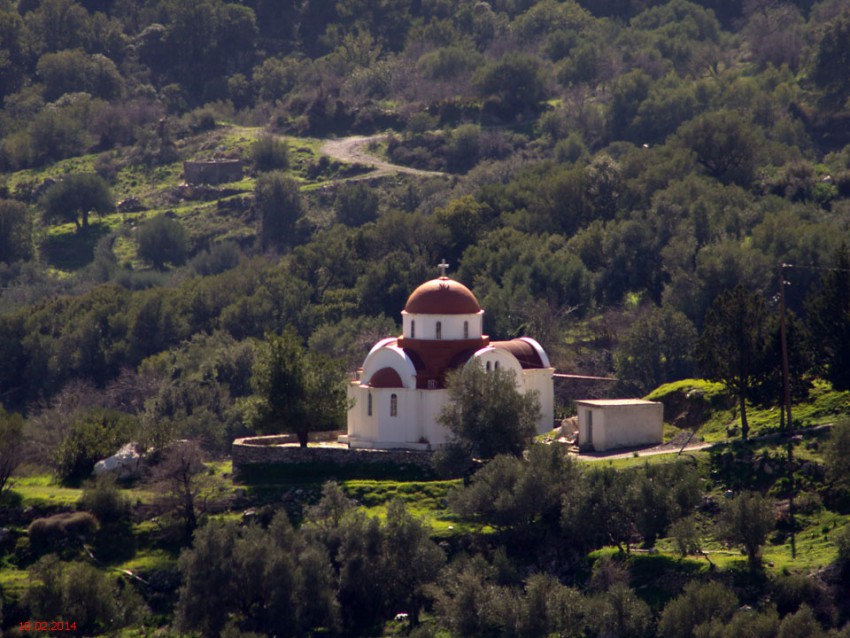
(82, 594)
(842, 540)
(270, 153)
(75, 196)
(163, 240)
(61, 529)
(90, 439)
(355, 204)
(220, 257)
(102, 497)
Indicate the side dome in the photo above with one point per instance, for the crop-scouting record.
(442, 296)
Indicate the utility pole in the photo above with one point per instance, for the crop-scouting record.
(786, 399)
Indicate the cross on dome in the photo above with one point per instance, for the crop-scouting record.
(443, 266)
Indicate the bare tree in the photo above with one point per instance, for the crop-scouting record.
(185, 489)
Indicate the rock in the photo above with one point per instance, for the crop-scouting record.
(130, 205)
(125, 463)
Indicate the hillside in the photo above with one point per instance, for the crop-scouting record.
(627, 182)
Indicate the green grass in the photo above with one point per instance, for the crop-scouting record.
(151, 560)
(317, 473)
(13, 582)
(44, 490)
(824, 405)
(700, 457)
(425, 500)
(66, 250)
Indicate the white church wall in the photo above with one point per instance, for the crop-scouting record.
(430, 404)
(390, 357)
(451, 326)
(540, 381)
(492, 358)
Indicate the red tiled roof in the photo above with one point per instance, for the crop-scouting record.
(442, 296)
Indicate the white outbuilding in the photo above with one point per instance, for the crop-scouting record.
(399, 392)
(605, 424)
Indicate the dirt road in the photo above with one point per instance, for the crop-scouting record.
(355, 149)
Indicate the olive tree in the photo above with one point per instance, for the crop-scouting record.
(162, 240)
(746, 520)
(486, 415)
(75, 197)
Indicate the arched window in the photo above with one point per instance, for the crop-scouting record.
(439, 330)
(412, 329)
(466, 330)
(393, 405)
(369, 405)
(496, 366)
(488, 366)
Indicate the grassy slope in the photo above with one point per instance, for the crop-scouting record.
(65, 250)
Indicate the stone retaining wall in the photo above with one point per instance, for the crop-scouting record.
(279, 449)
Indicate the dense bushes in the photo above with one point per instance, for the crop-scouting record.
(163, 240)
(81, 594)
(91, 438)
(55, 532)
(339, 570)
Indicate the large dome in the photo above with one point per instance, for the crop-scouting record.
(442, 296)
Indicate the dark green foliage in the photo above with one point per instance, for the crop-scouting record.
(731, 347)
(93, 437)
(659, 495)
(747, 622)
(11, 445)
(412, 560)
(800, 623)
(61, 530)
(726, 146)
(657, 348)
(162, 240)
(515, 81)
(103, 498)
(15, 231)
(473, 600)
(699, 605)
(220, 257)
(842, 541)
(832, 57)
(280, 207)
(828, 311)
(81, 593)
(206, 594)
(203, 43)
(619, 612)
(280, 380)
(339, 568)
(73, 198)
(299, 391)
(520, 493)
(270, 154)
(486, 414)
(836, 456)
(72, 71)
(355, 204)
(746, 520)
(602, 497)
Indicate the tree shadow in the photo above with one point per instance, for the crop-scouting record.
(73, 251)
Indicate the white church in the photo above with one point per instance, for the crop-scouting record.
(399, 392)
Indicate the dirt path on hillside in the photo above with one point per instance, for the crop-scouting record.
(355, 150)
(649, 451)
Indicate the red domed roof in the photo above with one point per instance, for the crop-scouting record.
(386, 378)
(442, 296)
